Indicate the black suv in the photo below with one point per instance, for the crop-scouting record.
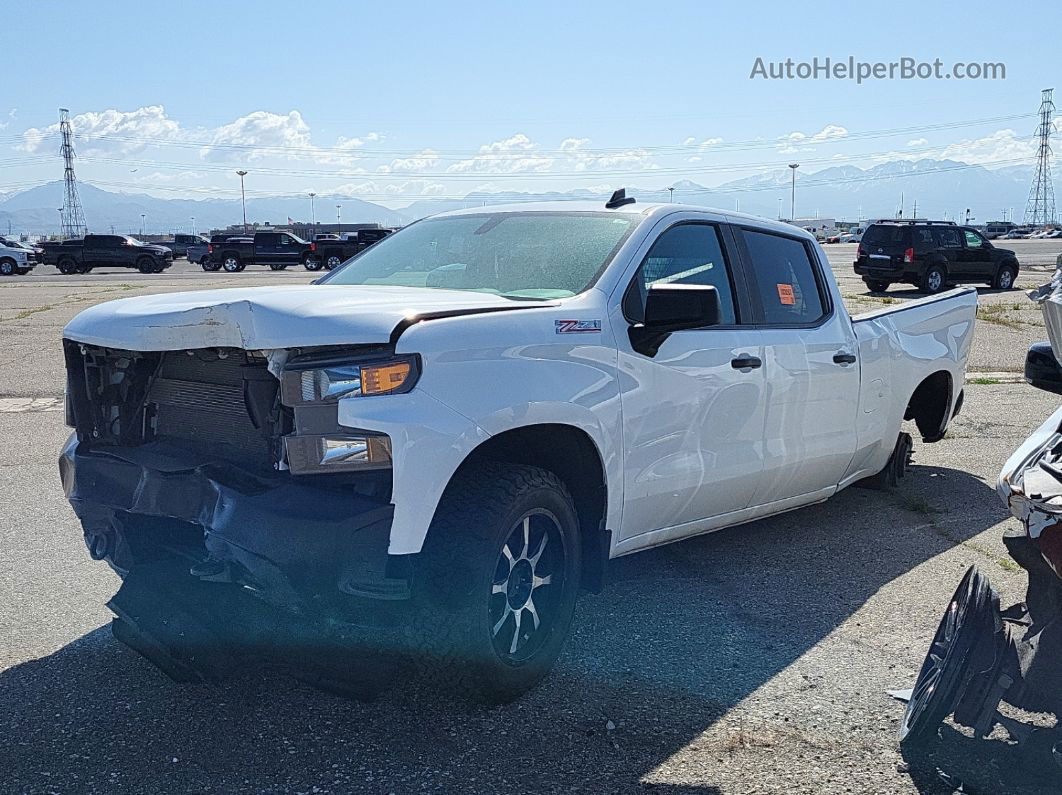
(929, 255)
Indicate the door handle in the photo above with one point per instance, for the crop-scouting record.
(746, 362)
(844, 358)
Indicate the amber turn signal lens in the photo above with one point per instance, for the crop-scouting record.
(384, 378)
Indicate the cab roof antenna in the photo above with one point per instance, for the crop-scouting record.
(619, 199)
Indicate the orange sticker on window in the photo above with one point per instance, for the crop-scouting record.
(785, 294)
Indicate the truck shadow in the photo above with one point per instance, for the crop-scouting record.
(681, 636)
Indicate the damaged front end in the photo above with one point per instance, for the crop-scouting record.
(220, 486)
(981, 656)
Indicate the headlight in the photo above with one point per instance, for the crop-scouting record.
(327, 383)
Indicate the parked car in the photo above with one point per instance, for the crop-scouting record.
(332, 253)
(930, 255)
(180, 243)
(16, 257)
(278, 250)
(451, 435)
(1054, 234)
(106, 251)
(982, 655)
(1015, 234)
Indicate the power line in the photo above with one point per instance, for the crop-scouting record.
(443, 155)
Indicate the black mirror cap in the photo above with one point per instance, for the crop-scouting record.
(1042, 369)
(673, 307)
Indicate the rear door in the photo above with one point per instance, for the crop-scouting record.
(265, 248)
(949, 246)
(810, 365)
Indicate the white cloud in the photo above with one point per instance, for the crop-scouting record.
(413, 187)
(256, 134)
(918, 142)
(111, 131)
(511, 155)
(421, 161)
(797, 141)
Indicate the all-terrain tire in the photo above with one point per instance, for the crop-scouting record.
(453, 637)
(145, 265)
(67, 266)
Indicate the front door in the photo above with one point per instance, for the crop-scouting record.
(693, 413)
(977, 255)
(810, 365)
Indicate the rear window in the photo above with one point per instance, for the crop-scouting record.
(887, 236)
(788, 289)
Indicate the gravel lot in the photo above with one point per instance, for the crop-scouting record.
(753, 660)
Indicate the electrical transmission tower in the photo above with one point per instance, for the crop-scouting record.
(73, 215)
(1040, 209)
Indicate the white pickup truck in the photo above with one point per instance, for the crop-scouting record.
(16, 257)
(455, 431)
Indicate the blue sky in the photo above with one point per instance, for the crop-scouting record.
(394, 102)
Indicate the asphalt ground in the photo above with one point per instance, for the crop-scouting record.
(752, 660)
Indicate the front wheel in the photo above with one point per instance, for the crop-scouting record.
(876, 285)
(1004, 278)
(933, 280)
(67, 266)
(232, 264)
(145, 265)
(497, 583)
(333, 261)
(7, 267)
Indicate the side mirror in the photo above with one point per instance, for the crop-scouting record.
(673, 307)
(1042, 369)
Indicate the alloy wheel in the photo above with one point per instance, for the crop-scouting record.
(526, 588)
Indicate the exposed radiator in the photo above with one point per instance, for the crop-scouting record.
(199, 398)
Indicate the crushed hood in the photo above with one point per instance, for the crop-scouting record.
(1049, 297)
(260, 318)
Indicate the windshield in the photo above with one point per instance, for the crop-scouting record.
(133, 241)
(533, 255)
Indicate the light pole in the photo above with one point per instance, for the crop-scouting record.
(243, 198)
(672, 192)
(792, 193)
(779, 208)
(143, 218)
(313, 215)
(193, 224)
(339, 218)
(60, 223)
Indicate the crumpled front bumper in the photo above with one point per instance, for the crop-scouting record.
(299, 542)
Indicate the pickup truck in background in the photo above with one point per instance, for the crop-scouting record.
(333, 252)
(449, 436)
(278, 250)
(106, 251)
(16, 257)
(180, 243)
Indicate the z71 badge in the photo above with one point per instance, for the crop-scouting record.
(578, 326)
